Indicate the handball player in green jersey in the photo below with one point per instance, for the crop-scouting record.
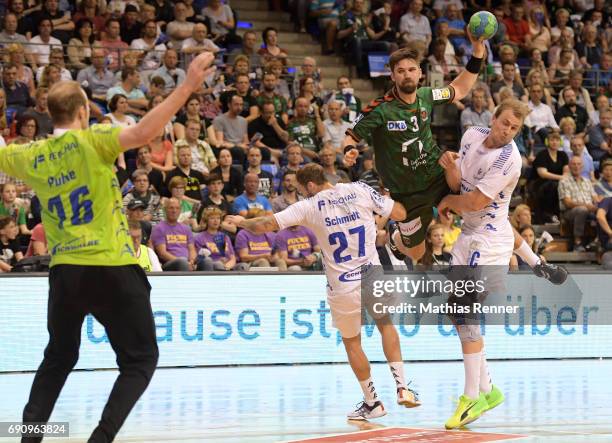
(406, 154)
(93, 266)
(410, 163)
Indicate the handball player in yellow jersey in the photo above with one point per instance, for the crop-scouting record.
(93, 267)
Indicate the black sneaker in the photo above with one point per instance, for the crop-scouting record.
(553, 273)
(392, 246)
(366, 412)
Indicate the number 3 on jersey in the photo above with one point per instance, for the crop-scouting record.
(340, 239)
(406, 146)
(77, 203)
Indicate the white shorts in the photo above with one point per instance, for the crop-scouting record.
(346, 312)
(483, 249)
(483, 257)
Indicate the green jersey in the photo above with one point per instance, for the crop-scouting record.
(406, 154)
(82, 209)
(304, 131)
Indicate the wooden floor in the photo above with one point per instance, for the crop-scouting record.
(548, 401)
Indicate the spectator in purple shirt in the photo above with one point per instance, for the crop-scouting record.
(298, 247)
(173, 241)
(257, 250)
(214, 247)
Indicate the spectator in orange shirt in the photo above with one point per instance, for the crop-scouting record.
(517, 27)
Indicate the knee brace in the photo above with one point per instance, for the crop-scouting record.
(469, 333)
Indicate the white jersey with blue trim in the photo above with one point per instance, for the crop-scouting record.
(342, 219)
(495, 172)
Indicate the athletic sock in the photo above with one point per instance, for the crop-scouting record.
(397, 371)
(369, 392)
(525, 252)
(485, 377)
(471, 365)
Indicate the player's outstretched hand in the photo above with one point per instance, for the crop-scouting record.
(199, 69)
(447, 160)
(350, 158)
(477, 44)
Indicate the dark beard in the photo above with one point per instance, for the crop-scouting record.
(406, 88)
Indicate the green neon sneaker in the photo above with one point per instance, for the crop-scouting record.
(494, 398)
(467, 411)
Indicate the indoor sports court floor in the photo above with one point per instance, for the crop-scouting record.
(552, 401)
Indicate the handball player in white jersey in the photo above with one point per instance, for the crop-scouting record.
(342, 219)
(486, 171)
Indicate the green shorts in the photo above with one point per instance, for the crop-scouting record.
(419, 207)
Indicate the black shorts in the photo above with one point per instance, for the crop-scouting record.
(419, 207)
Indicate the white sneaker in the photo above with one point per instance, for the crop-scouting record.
(408, 398)
(366, 412)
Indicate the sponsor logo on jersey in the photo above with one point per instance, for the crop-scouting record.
(479, 175)
(320, 204)
(397, 125)
(335, 221)
(441, 94)
(354, 274)
(341, 200)
(410, 227)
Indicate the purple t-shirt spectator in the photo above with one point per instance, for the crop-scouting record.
(298, 242)
(257, 244)
(177, 238)
(219, 245)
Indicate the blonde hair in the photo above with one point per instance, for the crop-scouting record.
(515, 214)
(519, 109)
(175, 182)
(65, 100)
(567, 121)
(210, 212)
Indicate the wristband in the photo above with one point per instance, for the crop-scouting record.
(347, 148)
(474, 64)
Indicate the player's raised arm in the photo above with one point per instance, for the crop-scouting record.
(153, 122)
(465, 81)
(448, 161)
(257, 225)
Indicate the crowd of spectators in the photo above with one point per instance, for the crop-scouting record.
(236, 145)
